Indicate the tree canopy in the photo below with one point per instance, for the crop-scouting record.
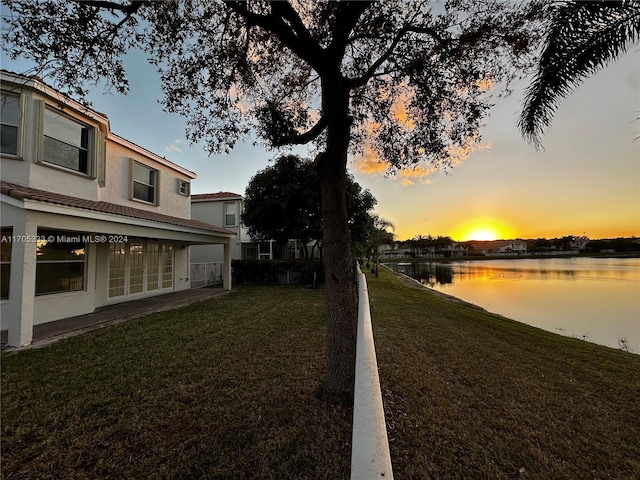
(409, 80)
(416, 75)
(283, 202)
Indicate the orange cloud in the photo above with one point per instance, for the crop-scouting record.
(485, 85)
(369, 162)
(400, 112)
(409, 175)
(459, 154)
(241, 104)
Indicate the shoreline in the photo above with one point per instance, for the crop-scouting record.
(507, 257)
(415, 284)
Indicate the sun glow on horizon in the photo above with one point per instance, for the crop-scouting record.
(481, 233)
(483, 229)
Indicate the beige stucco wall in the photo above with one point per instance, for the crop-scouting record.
(28, 171)
(118, 184)
(47, 308)
(212, 212)
(10, 308)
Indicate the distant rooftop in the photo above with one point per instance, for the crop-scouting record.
(215, 196)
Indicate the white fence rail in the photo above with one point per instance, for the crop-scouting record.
(204, 274)
(370, 457)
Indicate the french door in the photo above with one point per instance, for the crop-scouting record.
(139, 267)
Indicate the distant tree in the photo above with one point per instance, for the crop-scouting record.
(408, 79)
(379, 236)
(581, 37)
(283, 202)
(441, 242)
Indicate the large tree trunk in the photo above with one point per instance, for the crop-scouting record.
(341, 291)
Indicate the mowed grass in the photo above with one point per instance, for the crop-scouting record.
(225, 389)
(220, 389)
(469, 394)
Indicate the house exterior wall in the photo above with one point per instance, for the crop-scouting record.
(29, 169)
(106, 178)
(212, 212)
(118, 181)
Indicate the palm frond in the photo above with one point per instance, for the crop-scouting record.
(581, 38)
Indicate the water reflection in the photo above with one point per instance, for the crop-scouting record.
(590, 298)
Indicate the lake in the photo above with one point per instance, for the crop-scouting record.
(594, 299)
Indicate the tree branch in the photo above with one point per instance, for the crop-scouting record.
(349, 13)
(126, 8)
(306, 137)
(363, 79)
(292, 33)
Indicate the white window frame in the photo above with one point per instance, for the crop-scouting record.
(90, 147)
(226, 215)
(19, 126)
(184, 188)
(132, 182)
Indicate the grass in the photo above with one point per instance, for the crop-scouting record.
(220, 389)
(470, 394)
(224, 389)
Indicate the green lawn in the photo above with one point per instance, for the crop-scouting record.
(220, 389)
(224, 389)
(469, 394)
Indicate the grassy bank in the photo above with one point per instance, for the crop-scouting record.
(469, 394)
(224, 389)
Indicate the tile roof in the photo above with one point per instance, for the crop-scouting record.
(215, 196)
(21, 193)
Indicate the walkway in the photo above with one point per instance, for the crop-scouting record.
(50, 332)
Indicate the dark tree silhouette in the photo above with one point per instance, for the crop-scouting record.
(407, 79)
(581, 37)
(283, 202)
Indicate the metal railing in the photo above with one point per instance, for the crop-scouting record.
(204, 274)
(370, 456)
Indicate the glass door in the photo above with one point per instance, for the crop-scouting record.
(117, 270)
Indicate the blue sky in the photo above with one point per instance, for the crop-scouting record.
(586, 181)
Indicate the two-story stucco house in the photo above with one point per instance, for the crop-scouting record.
(88, 218)
(225, 209)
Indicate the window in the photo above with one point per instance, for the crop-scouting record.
(66, 142)
(230, 214)
(5, 262)
(144, 183)
(183, 187)
(60, 262)
(10, 120)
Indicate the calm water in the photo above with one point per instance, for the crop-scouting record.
(596, 299)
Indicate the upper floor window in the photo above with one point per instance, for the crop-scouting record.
(230, 211)
(144, 183)
(66, 142)
(10, 120)
(183, 187)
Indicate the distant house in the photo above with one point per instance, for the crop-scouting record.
(454, 249)
(88, 217)
(225, 208)
(498, 247)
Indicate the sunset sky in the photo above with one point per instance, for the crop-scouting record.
(586, 181)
